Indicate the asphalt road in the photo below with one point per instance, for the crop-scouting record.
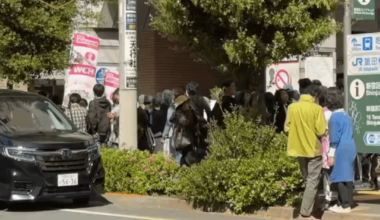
(100, 209)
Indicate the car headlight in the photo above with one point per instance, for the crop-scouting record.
(19, 153)
(93, 152)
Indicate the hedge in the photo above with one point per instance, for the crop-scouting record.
(138, 172)
(247, 168)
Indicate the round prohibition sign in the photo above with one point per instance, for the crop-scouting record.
(281, 78)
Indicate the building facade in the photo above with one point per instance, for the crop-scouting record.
(161, 67)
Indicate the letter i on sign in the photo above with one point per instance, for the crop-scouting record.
(357, 89)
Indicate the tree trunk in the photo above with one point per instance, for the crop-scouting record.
(256, 81)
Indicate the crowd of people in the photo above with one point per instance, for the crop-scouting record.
(320, 135)
(320, 132)
(99, 118)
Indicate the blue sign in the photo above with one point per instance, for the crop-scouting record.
(100, 75)
(368, 64)
(358, 61)
(372, 138)
(356, 45)
(354, 42)
(363, 43)
(367, 43)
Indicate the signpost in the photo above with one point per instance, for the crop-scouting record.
(364, 90)
(364, 10)
(128, 74)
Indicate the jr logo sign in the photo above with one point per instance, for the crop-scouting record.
(58, 4)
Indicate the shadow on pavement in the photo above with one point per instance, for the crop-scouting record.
(367, 198)
(96, 201)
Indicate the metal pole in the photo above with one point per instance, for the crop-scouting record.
(128, 93)
(346, 32)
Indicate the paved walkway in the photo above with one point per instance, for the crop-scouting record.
(112, 208)
(101, 209)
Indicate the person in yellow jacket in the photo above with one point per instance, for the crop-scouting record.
(306, 125)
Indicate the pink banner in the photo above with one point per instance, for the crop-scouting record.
(83, 40)
(112, 79)
(81, 75)
(83, 70)
(111, 83)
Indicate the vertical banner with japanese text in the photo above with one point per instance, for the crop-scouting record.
(364, 90)
(80, 78)
(111, 83)
(130, 42)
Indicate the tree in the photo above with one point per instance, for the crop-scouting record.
(245, 35)
(35, 37)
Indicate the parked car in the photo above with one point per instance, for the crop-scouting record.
(43, 156)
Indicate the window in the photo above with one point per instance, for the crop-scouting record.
(31, 114)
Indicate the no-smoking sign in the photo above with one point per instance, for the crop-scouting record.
(281, 78)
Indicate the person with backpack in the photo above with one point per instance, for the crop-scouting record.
(99, 123)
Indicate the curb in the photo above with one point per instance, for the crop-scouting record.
(124, 194)
(283, 213)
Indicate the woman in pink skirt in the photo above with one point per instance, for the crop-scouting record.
(325, 149)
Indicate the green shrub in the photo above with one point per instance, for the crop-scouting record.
(138, 172)
(247, 168)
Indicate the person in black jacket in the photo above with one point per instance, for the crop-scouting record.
(200, 106)
(269, 105)
(281, 97)
(97, 114)
(158, 120)
(142, 124)
(186, 132)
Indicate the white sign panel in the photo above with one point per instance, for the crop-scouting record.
(130, 39)
(365, 64)
(131, 53)
(320, 68)
(363, 43)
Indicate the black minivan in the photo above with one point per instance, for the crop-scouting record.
(43, 156)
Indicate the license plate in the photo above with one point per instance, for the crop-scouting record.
(68, 180)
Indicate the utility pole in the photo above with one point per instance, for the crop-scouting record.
(346, 32)
(128, 74)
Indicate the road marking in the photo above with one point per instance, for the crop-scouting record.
(113, 215)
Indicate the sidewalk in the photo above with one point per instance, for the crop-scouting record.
(368, 208)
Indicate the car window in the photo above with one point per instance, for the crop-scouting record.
(31, 114)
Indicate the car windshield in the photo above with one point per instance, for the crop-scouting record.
(31, 114)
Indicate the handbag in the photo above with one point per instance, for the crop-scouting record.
(181, 140)
(150, 138)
